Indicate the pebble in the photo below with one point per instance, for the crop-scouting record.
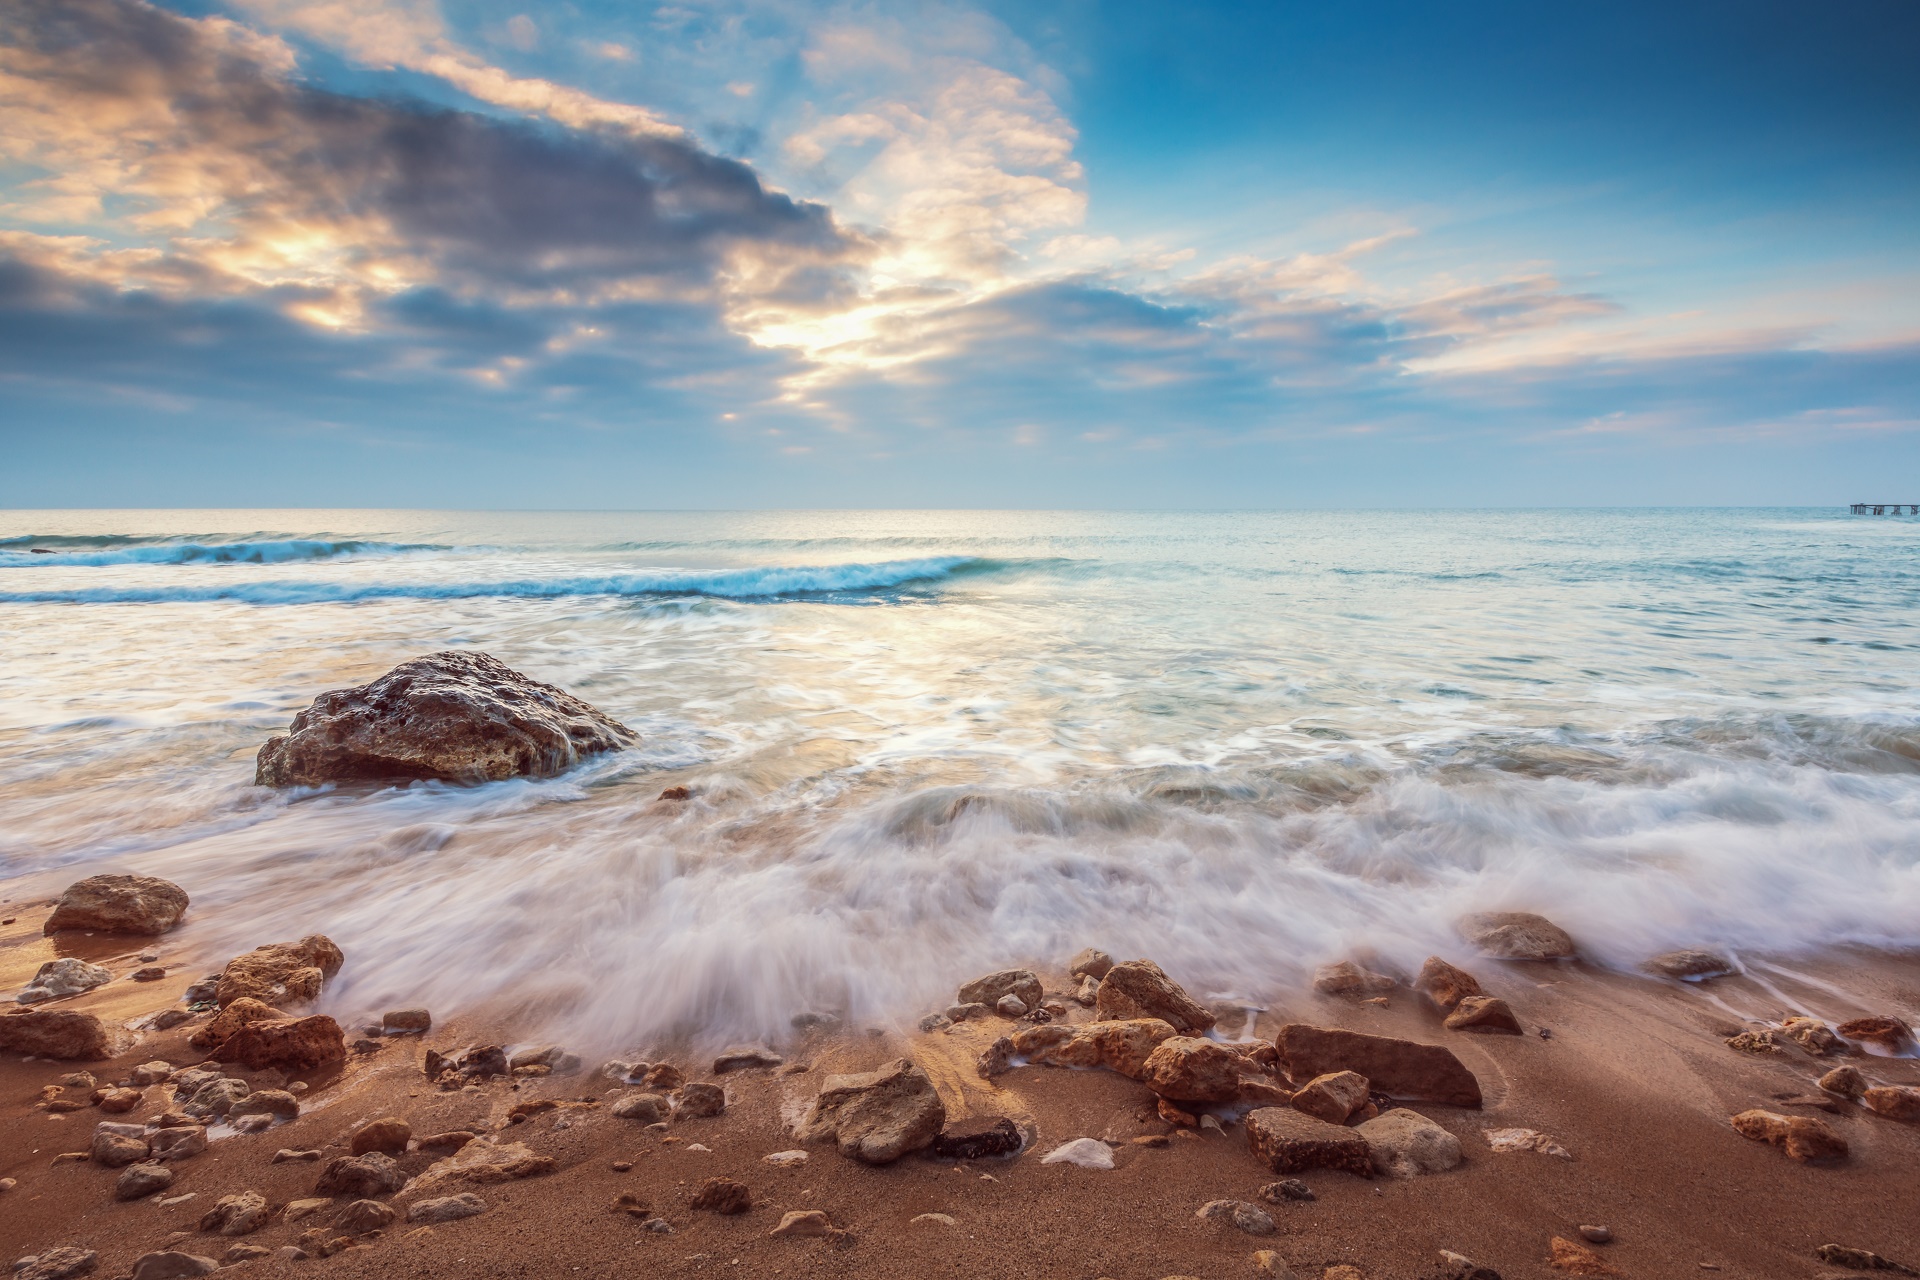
(786, 1159)
(1286, 1189)
(932, 1220)
(622, 1166)
(1596, 1235)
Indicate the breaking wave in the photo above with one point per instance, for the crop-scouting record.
(35, 552)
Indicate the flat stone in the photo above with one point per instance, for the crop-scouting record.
(1887, 1033)
(446, 1208)
(58, 1263)
(483, 1162)
(994, 987)
(1839, 1255)
(1289, 1141)
(171, 1264)
(277, 1103)
(1286, 1190)
(155, 1072)
(1564, 1255)
(181, 1142)
(803, 1222)
(305, 1207)
(139, 1180)
(1122, 1046)
(1517, 935)
(236, 1215)
(1398, 1068)
(141, 905)
(746, 1057)
(1002, 1138)
(1345, 978)
(116, 1151)
(406, 1021)
(1405, 1144)
(1692, 965)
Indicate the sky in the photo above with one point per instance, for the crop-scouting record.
(1045, 253)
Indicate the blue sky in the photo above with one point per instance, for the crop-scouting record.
(349, 252)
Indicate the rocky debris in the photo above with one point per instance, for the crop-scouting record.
(116, 1146)
(1457, 1266)
(155, 1072)
(280, 972)
(389, 1134)
(721, 1195)
(1801, 1137)
(1597, 1235)
(457, 716)
(1813, 1035)
(1086, 1153)
(1090, 962)
(1564, 1255)
(1346, 978)
(1286, 1190)
(1507, 1141)
(1516, 935)
(1847, 1082)
(647, 1108)
(551, 1056)
(171, 1264)
(1487, 1015)
(1333, 1097)
(137, 1180)
(363, 1216)
(1890, 1034)
(1839, 1255)
(803, 1222)
(277, 1103)
(1445, 984)
(58, 979)
(1122, 1046)
(1001, 1139)
(876, 1116)
(58, 1263)
(482, 1162)
(697, 1101)
(362, 1176)
(118, 904)
(1894, 1101)
(990, 990)
(1250, 1218)
(1405, 1144)
(179, 1142)
(1010, 1006)
(290, 1044)
(746, 1057)
(1691, 965)
(54, 1033)
(406, 1021)
(1140, 989)
(1397, 1068)
(1289, 1141)
(236, 1215)
(446, 1208)
(117, 1101)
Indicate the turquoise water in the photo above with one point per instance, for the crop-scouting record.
(924, 744)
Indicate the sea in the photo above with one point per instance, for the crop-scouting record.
(924, 745)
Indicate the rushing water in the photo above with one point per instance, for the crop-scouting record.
(927, 744)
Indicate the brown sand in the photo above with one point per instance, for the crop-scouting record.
(1635, 1081)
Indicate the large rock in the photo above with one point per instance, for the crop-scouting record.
(457, 716)
(389, 1134)
(54, 1033)
(876, 1116)
(1288, 1141)
(1190, 1069)
(995, 987)
(1405, 1143)
(1446, 985)
(119, 904)
(1118, 1046)
(59, 1263)
(1894, 1101)
(280, 972)
(481, 1162)
(58, 979)
(1801, 1137)
(1398, 1068)
(1333, 1097)
(1140, 989)
(1516, 935)
(1888, 1033)
(291, 1044)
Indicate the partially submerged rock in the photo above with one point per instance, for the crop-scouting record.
(1813, 1035)
(995, 987)
(279, 973)
(1885, 1033)
(1404, 1144)
(58, 979)
(1141, 989)
(1193, 1069)
(1346, 978)
(1398, 1068)
(1801, 1137)
(1894, 1101)
(1090, 963)
(1487, 1015)
(1847, 1082)
(1517, 935)
(876, 1116)
(1288, 1141)
(141, 905)
(1445, 984)
(746, 1057)
(1333, 1097)
(54, 1033)
(1692, 965)
(1122, 1046)
(455, 716)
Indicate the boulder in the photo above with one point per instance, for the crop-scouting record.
(1011, 1006)
(54, 1033)
(180, 1142)
(1250, 1218)
(58, 979)
(647, 1108)
(1516, 935)
(118, 1101)
(1895, 1101)
(1844, 1081)
(1405, 1144)
(389, 1134)
(171, 1264)
(721, 1195)
(1801, 1137)
(1140, 989)
(1346, 978)
(119, 904)
(363, 1216)
(1090, 963)
(1118, 1046)
(137, 1180)
(1189, 1069)
(291, 1044)
(1288, 1141)
(456, 716)
(1446, 985)
(995, 987)
(236, 1215)
(1333, 1097)
(361, 1177)
(1692, 965)
(876, 1116)
(280, 973)
(1488, 1015)
(155, 1072)
(446, 1208)
(1398, 1068)
(1889, 1034)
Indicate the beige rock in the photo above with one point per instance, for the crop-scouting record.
(389, 1134)
(446, 1208)
(280, 973)
(67, 976)
(932, 1220)
(406, 1021)
(1191, 1069)
(1445, 984)
(995, 987)
(155, 1072)
(1345, 978)
(363, 1216)
(236, 1215)
(58, 1263)
(1140, 989)
(1692, 965)
(647, 1108)
(273, 1102)
(746, 1057)
(1250, 1218)
(1288, 1141)
(1813, 1035)
(1398, 1068)
(119, 1101)
(119, 904)
(304, 1208)
(54, 1033)
(1090, 963)
(363, 1177)
(1844, 1081)
(482, 1162)
(876, 1116)
(1801, 1137)
(1332, 1097)
(1510, 1140)
(1516, 935)
(1405, 1144)
(1755, 1042)
(179, 1142)
(217, 1030)
(117, 1146)
(804, 1222)
(144, 1179)
(1487, 1015)
(1896, 1102)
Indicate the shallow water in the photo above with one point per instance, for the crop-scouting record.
(926, 744)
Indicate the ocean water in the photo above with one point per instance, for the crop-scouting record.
(928, 744)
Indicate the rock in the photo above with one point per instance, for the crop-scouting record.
(405, 1021)
(480, 1061)
(1172, 1113)
(721, 1195)
(57, 979)
(285, 1154)
(804, 1222)
(362, 1176)
(171, 1264)
(155, 1072)
(54, 1033)
(1348, 979)
(389, 1133)
(1001, 1139)
(1285, 1190)
(1510, 1140)
(1289, 1141)
(551, 1056)
(446, 1208)
(58, 1263)
(214, 1098)
(1596, 1235)
(1801, 1137)
(181, 1142)
(1333, 1097)
(1516, 935)
(1250, 1218)
(1090, 963)
(745, 1057)
(1565, 1255)
(280, 972)
(137, 1180)
(1139, 989)
(444, 1144)
(697, 1101)
(236, 1215)
(1405, 1144)
(1010, 1006)
(1813, 1035)
(991, 989)
(876, 1116)
(253, 1122)
(116, 1150)
(202, 991)
(1845, 1081)
(1692, 965)
(932, 1220)
(304, 1208)
(1755, 1042)
(1268, 1263)
(1894, 1101)
(1457, 1266)
(363, 1216)
(1189, 1069)
(663, 1076)
(995, 1058)
(119, 1101)
(1839, 1255)
(482, 1162)
(119, 904)
(148, 973)
(1343, 1272)
(1088, 992)
(1122, 1046)
(457, 716)
(968, 1012)
(1445, 984)
(290, 1044)
(935, 1022)
(1487, 1015)
(244, 1253)
(1087, 1153)
(272, 1102)
(1398, 1068)
(647, 1108)
(1890, 1034)
(167, 1019)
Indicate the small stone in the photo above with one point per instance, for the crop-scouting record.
(138, 1180)
(8, 1184)
(1596, 1235)
(363, 1176)
(1284, 1190)
(1088, 992)
(1249, 1218)
(155, 1072)
(1346, 978)
(969, 1012)
(1173, 1113)
(172, 1265)
(112, 1150)
(663, 1076)
(119, 1101)
(1755, 1042)
(244, 1253)
(647, 1108)
(1010, 1006)
(1801, 1137)
(1090, 963)
(1000, 1139)
(786, 1159)
(1343, 1272)
(721, 1195)
(935, 1022)
(622, 1166)
(1510, 1140)
(699, 1101)
(1565, 1255)
(1813, 1035)
(1289, 1141)
(1403, 1069)
(404, 1021)
(390, 1134)
(57, 979)
(1487, 1015)
(287, 1153)
(1268, 1263)
(446, 1208)
(236, 1215)
(363, 1216)
(745, 1057)
(802, 1222)
(167, 1019)
(1692, 965)
(1896, 1102)
(1333, 1097)
(1847, 1082)
(304, 1208)
(444, 1144)
(1445, 984)
(148, 973)
(1839, 1255)
(1457, 1266)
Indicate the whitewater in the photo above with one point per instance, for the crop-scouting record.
(923, 745)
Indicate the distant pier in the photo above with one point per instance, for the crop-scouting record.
(1886, 508)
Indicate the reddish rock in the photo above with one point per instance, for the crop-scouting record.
(1895, 1101)
(1445, 984)
(1517, 935)
(1189, 1069)
(236, 1215)
(995, 987)
(1813, 1035)
(1844, 1081)
(118, 1101)
(291, 1044)
(1122, 1046)
(361, 1177)
(876, 1116)
(699, 1101)
(1801, 1137)
(1564, 1255)
(457, 716)
(1346, 978)
(721, 1195)
(1890, 1034)
(1332, 1098)
(1398, 1068)
(119, 904)
(280, 972)
(1288, 1141)
(1488, 1015)
(389, 1134)
(1140, 989)
(54, 1033)
(220, 1028)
